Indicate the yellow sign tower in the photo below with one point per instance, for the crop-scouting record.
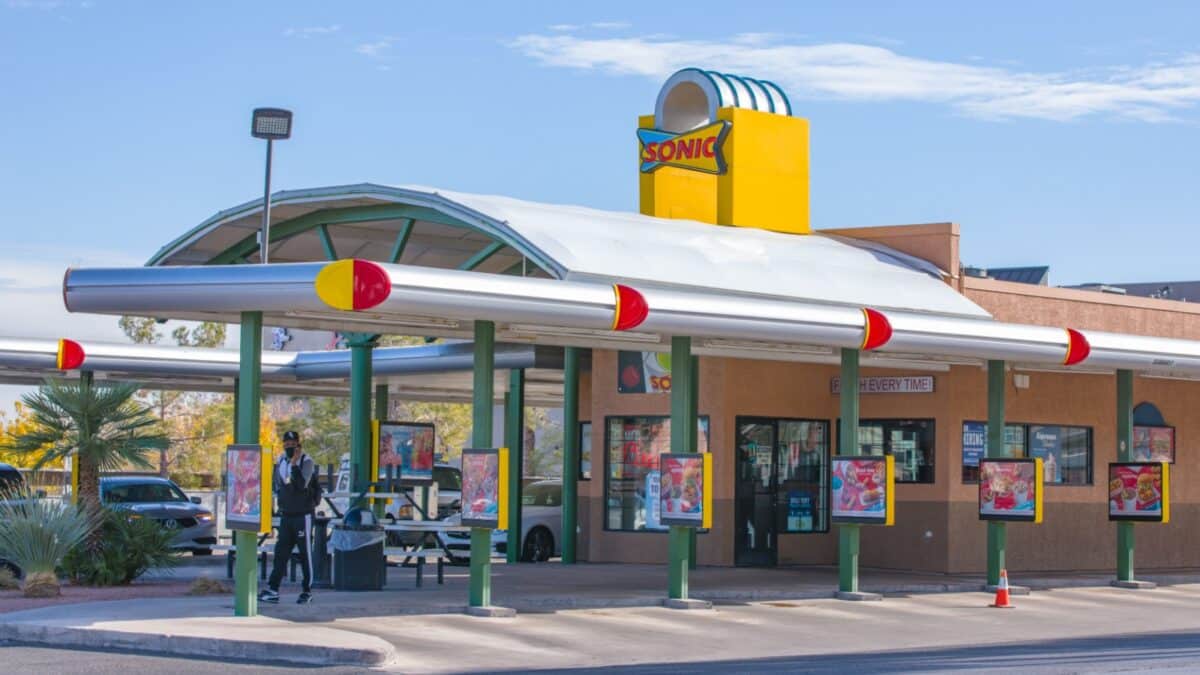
(725, 150)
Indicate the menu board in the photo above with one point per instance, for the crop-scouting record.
(685, 495)
(485, 487)
(248, 488)
(863, 490)
(407, 446)
(643, 372)
(1154, 444)
(1139, 491)
(1011, 489)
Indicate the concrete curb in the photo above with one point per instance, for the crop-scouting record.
(689, 603)
(858, 596)
(195, 646)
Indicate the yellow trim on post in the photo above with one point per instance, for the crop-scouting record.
(890, 462)
(268, 477)
(502, 511)
(374, 455)
(706, 520)
(1039, 490)
(1166, 492)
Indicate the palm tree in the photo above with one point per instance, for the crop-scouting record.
(102, 426)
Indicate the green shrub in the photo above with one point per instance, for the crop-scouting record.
(36, 534)
(8, 581)
(129, 546)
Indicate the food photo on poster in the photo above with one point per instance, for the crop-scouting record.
(682, 490)
(1139, 491)
(244, 487)
(862, 490)
(1154, 444)
(1010, 489)
(483, 488)
(409, 447)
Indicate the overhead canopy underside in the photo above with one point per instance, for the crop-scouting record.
(441, 372)
(436, 228)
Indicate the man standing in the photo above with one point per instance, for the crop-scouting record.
(295, 483)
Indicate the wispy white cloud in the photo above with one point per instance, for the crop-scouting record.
(598, 25)
(1151, 92)
(374, 49)
(311, 31)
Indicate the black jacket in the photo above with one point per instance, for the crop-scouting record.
(293, 485)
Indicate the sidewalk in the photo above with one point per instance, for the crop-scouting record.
(205, 626)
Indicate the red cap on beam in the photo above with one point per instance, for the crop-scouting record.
(631, 308)
(877, 330)
(1078, 348)
(353, 284)
(70, 355)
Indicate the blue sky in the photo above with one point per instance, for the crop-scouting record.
(1054, 133)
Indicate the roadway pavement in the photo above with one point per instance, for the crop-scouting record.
(608, 616)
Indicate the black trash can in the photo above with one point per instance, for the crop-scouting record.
(358, 560)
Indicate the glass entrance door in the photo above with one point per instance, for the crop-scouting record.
(755, 500)
(782, 484)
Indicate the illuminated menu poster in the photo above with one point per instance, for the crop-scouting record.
(407, 446)
(1154, 444)
(685, 493)
(485, 488)
(248, 488)
(863, 490)
(1139, 491)
(1011, 489)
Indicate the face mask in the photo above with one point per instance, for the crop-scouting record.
(291, 452)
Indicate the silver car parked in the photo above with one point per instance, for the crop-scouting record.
(541, 526)
(162, 500)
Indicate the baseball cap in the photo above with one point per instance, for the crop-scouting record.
(291, 436)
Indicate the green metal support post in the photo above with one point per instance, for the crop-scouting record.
(694, 402)
(683, 440)
(848, 533)
(381, 414)
(514, 439)
(481, 437)
(570, 490)
(247, 424)
(361, 348)
(997, 533)
(1125, 539)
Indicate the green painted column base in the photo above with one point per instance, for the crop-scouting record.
(1125, 542)
(245, 575)
(677, 562)
(691, 548)
(997, 539)
(848, 546)
(481, 567)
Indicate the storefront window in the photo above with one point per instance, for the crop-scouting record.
(1066, 453)
(909, 441)
(974, 446)
(633, 446)
(803, 466)
(585, 451)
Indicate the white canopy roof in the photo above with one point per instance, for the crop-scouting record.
(578, 243)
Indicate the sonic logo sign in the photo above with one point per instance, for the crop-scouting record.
(697, 150)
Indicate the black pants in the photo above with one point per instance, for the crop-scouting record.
(294, 531)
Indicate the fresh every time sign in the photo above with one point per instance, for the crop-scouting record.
(888, 385)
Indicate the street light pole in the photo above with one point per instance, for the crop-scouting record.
(265, 236)
(272, 124)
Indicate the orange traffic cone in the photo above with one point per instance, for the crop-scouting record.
(1002, 593)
